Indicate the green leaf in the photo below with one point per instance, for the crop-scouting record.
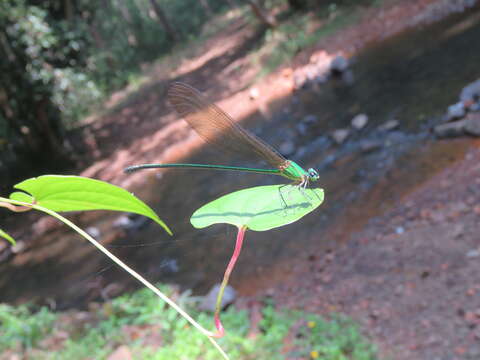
(260, 208)
(7, 237)
(76, 193)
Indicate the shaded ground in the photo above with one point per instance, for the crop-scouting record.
(408, 276)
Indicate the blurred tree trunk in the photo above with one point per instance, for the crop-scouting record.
(125, 13)
(100, 43)
(171, 34)
(264, 17)
(206, 7)
(36, 123)
(297, 4)
(68, 10)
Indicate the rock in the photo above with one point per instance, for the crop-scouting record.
(304, 125)
(473, 254)
(348, 78)
(253, 93)
(471, 91)
(298, 81)
(454, 129)
(169, 266)
(19, 247)
(359, 121)
(370, 145)
(320, 79)
(311, 72)
(131, 222)
(472, 124)
(389, 125)
(339, 64)
(302, 128)
(93, 231)
(340, 135)
(287, 148)
(455, 111)
(474, 106)
(209, 300)
(310, 119)
(44, 225)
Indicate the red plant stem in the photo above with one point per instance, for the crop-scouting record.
(15, 208)
(236, 253)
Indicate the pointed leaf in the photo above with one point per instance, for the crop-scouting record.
(21, 196)
(7, 237)
(76, 193)
(260, 208)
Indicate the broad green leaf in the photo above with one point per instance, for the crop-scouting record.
(7, 237)
(260, 208)
(76, 193)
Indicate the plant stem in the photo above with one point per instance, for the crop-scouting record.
(226, 276)
(124, 266)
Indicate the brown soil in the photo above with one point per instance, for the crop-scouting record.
(410, 276)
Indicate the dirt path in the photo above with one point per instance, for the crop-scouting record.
(411, 276)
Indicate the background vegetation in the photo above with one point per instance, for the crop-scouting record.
(154, 331)
(61, 58)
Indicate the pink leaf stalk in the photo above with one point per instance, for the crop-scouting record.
(236, 253)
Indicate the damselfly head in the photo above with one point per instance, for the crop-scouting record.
(313, 174)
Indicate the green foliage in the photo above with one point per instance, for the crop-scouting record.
(336, 339)
(259, 208)
(301, 31)
(20, 327)
(76, 193)
(339, 338)
(7, 237)
(59, 59)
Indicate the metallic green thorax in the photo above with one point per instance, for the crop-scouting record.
(294, 172)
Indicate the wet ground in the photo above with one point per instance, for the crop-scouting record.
(411, 78)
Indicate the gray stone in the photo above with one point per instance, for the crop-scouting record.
(359, 121)
(473, 253)
(472, 124)
(339, 64)
(453, 129)
(340, 135)
(389, 125)
(209, 301)
(93, 232)
(370, 145)
(304, 125)
(19, 247)
(310, 119)
(456, 111)
(399, 230)
(474, 106)
(348, 77)
(302, 128)
(471, 91)
(253, 93)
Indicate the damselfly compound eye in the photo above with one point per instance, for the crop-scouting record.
(313, 174)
